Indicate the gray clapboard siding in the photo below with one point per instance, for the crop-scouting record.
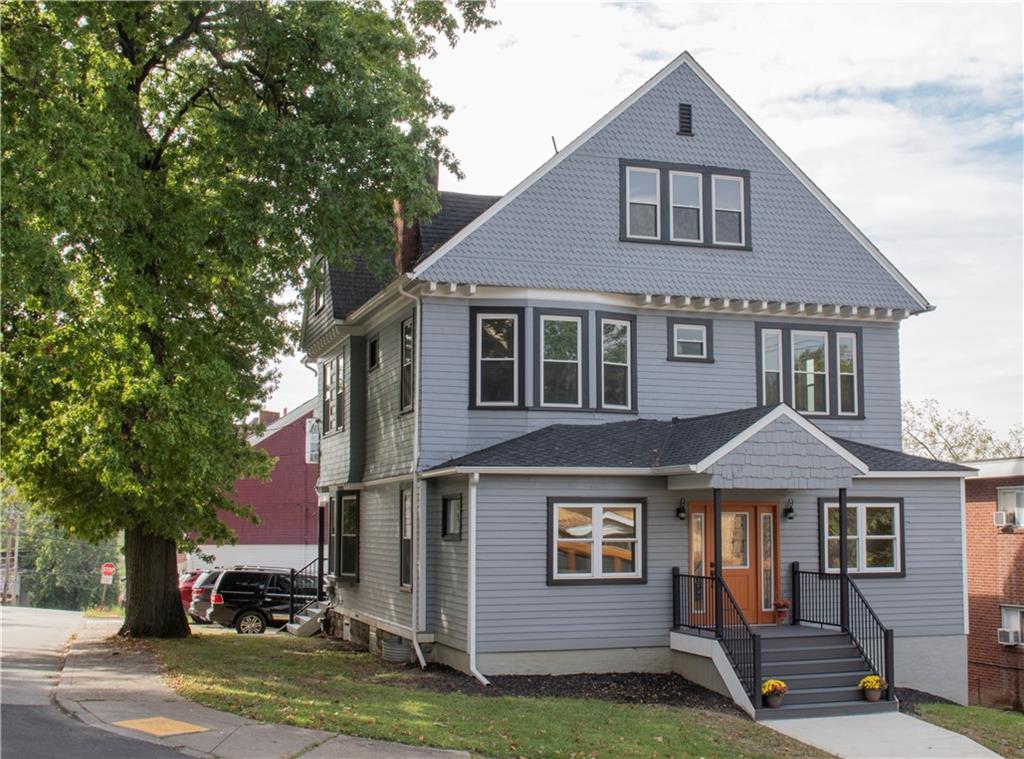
(665, 388)
(377, 592)
(446, 567)
(389, 432)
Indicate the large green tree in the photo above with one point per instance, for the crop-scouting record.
(954, 435)
(169, 170)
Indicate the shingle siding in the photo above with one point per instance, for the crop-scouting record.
(563, 231)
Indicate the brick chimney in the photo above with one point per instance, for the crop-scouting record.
(267, 416)
(407, 249)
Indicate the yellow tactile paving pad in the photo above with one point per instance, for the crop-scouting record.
(161, 727)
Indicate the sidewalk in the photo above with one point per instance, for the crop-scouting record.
(120, 689)
(871, 736)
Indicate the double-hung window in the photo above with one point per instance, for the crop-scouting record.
(643, 203)
(728, 220)
(451, 517)
(617, 362)
(594, 541)
(689, 340)
(372, 353)
(1011, 501)
(333, 393)
(810, 372)
(846, 347)
(561, 364)
(496, 357)
(346, 527)
(405, 538)
(686, 195)
(771, 367)
(408, 336)
(874, 536)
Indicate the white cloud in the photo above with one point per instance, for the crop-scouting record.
(892, 109)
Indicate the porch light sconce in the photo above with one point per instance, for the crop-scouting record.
(789, 512)
(681, 510)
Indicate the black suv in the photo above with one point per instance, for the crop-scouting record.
(252, 598)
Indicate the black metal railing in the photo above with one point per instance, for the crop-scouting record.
(306, 588)
(818, 599)
(696, 601)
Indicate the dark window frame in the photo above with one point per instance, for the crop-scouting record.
(446, 532)
(520, 378)
(664, 204)
(832, 370)
(372, 352)
(538, 359)
(553, 501)
(709, 350)
(336, 558)
(405, 544)
(406, 390)
(901, 533)
(599, 318)
(332, 400)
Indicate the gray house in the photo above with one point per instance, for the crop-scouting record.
(607, 421)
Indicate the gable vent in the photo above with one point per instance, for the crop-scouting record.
(685, 118)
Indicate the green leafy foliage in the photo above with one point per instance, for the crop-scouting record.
(169, 171)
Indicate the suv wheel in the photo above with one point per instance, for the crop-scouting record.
(250, 623)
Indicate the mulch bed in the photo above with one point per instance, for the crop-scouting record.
(910, 699)
(626, 688)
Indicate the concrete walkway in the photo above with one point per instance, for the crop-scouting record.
(120, 689)
(877, 736)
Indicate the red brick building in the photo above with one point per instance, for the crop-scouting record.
(286, 503)
(995, 568)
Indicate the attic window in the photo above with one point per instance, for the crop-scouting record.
(318, 289)
(685, 118)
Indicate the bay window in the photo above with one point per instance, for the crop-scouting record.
(594, 541)
(771, 367)
(874, 536)
(561, 360)
(617, 361)
(496, 369)
(846, 345)
(332, 394)
(810, 376)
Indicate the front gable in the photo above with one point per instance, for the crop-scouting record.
(561, 228)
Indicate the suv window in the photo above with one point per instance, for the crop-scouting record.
(244, 581)
(207, 580)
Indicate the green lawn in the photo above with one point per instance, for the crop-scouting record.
(314, 683)
(105, 612)
(999, 730)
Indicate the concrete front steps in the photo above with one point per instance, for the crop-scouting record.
(822, 669)
(307, 621)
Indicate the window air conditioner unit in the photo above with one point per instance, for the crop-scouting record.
(1002, 518)
(1008, 637)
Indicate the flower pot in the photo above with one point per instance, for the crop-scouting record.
(773, 700)
(781, 617)
(872, 694)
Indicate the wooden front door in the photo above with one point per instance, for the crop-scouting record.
(749, 554)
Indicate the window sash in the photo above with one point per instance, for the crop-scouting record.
(775, 336)
(597, 540)
(851, 339)
(1011, 500)
(348, 539)
(674, 204)
(372, 353)
(628, 364)
(481, 360)
(656, 204)
(451, 517)
(677, 339)
(578, 362)
(408, 337)
(715, 208)
(333, 394)
(405, 517)
(859, 537)
(813, 376)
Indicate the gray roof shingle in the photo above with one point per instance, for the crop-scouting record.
(644, 443)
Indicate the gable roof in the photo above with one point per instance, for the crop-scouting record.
(283, 421)
(879, 285)
(649, 446)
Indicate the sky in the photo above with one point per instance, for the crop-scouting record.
(909, 116)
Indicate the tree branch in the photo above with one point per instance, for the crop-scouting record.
(160, 56)
(169, 132)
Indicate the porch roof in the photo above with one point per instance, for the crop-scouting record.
(680, 446)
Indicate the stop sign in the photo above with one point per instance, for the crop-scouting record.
(108, 569)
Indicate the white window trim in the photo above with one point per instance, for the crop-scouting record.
(840, 374)
(768, 518)
(676, 340)
(579, 360)
(746, 555)
(657, 202)
(776, 334)
(742, 210)
(861, 508)
(596, 539)
(629, 364)
(405, 518)
(793, 370)
(480, 319)
(410, 322)
(673, 205)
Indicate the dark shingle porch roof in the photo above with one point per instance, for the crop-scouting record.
(647, 443)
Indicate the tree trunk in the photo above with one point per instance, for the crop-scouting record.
(152, 603)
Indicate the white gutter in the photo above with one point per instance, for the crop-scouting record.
(418, 510)
(474, 480)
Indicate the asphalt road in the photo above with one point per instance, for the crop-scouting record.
(31, 725)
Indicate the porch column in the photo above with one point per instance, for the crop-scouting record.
(844, 579)
(719, 592)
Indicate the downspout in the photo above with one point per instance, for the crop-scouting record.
(474, 480)
(418, 549)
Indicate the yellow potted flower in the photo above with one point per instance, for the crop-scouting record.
(872, 685)
(773, 691)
